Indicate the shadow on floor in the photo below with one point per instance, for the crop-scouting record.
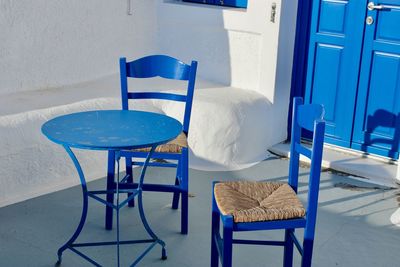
(353, 226)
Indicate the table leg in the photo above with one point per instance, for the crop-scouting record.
(70, 243)
(110, 184)
(117, 158)
(140, 206)
(85, 205)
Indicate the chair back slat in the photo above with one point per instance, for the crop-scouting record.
(157, 95)
(303, 150)
(158, 65)
(307, 114)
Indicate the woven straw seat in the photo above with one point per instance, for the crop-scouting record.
(258, 201)
(174, 146)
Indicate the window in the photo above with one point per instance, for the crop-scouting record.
(232, 3)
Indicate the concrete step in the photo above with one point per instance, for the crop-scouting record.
(379, 171)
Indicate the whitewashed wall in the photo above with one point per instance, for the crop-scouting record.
(47, 44)
(51, 43)
(55, 43)
(237, 47)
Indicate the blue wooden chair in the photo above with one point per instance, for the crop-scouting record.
(173, 154)
(252, 206)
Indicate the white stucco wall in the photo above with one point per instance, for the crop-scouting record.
(51, 43)
(398, 171)
(46, 44)
(238, 47)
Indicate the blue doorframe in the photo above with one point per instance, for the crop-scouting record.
(299, 71)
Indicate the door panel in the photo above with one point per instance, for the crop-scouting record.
(377, 118)
(334, 61)
(386, 28)
(326, 78)
(329, 10)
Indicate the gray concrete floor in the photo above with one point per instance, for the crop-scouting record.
(353, 226)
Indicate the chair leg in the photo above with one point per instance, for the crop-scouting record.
(175, 199)
(110, 185)
(185, 193)
(308, 245)
(288, 250)
(227, 241)
(215, 224)
(129, 171)
(184, 214)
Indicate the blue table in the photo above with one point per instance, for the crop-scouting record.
(112, 130)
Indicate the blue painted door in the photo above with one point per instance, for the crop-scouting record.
(334, 61)
(377, 117)
(354, 71)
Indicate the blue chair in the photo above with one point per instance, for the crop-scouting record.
(173, 154)
(253, 206)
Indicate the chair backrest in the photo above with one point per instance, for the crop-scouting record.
(309, 117)
(159, 66)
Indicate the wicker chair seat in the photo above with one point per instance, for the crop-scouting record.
(258, 201)
(174, 146)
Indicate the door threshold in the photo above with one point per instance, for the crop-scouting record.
(368, 168)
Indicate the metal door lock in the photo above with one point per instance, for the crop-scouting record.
(369, 20)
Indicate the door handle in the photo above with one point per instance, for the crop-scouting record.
(371, 6)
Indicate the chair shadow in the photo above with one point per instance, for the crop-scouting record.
(382, 120)
(361, 190)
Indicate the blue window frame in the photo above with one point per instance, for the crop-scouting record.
(231, 3)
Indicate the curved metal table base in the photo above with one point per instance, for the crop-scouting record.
(137, 192)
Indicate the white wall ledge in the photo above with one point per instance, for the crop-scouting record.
(223, 120)
(107, 86)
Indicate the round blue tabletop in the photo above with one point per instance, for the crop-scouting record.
(112, 129)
